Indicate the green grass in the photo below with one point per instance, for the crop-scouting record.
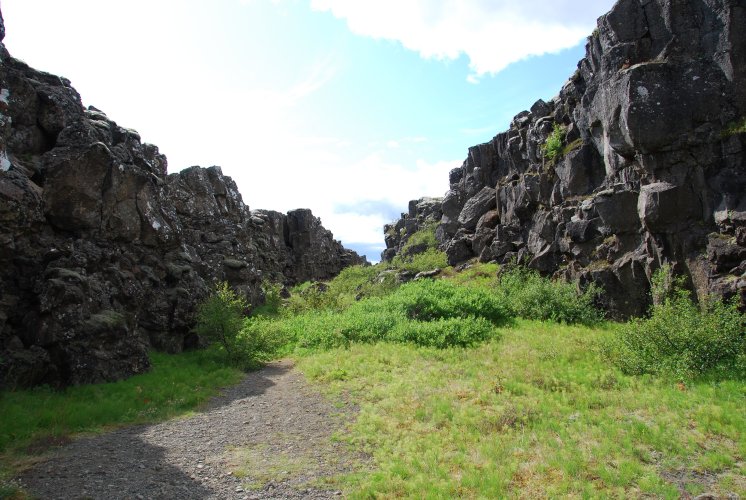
(535, 414)
(31, 420)
(552, 147)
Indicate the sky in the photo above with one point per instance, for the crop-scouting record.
(348, 107)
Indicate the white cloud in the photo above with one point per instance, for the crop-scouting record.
(491, 33)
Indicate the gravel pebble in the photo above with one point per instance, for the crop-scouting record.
(272, 412)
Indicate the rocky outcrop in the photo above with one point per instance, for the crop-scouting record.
(650, 171)
(421, 213)
(103, 255)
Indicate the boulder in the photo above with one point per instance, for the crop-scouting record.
(476, 207)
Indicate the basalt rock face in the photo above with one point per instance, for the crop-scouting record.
(103, 255)
(650, 170)
(422, 212)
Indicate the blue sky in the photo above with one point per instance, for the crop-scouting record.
(348, 107)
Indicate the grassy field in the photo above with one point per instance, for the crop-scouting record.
(534, 413)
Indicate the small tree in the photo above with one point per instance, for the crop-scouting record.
(220, 318)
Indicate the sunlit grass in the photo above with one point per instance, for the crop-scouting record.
(534, 414)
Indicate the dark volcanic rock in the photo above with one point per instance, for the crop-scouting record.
(648, 175)
(421, 213)
(103, 255)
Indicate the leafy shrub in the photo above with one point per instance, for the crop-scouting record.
(308, 296)
(680, 338)
(553, 146)
(443, 332)
(432, 313)
(221, 320)
(428, 300)
(258, 341)
(220, 317)
(530, 296)
(357, 282)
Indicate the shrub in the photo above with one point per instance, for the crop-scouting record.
(425, 236)
(553, 146)
(680, 338)
(220, 317)
(443, 332)
(432, 313)
(428, 300)
(246, 342)
(531, 296)
(258, 341)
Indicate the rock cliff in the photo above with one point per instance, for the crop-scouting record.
(104, 255)
(637, 162)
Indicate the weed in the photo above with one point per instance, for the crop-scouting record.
(552, 148)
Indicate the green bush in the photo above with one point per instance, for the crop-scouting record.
(443, 332)
(434, 313)
(258, 341)
(220, 318)
(680, 338)
(553, 146)
(427, 300)
(531, 296)
(272, 300)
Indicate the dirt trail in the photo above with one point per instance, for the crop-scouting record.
(268, 437)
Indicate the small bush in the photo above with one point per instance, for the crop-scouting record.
(553, 146)
(308, 296)
(432, 313)
(258, 341)
(680, 338)
(530, 296)
(428, 300)
(444, 332)
(220, 318)
(246, 342)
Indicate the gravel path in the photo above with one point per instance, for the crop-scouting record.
(268, 437)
